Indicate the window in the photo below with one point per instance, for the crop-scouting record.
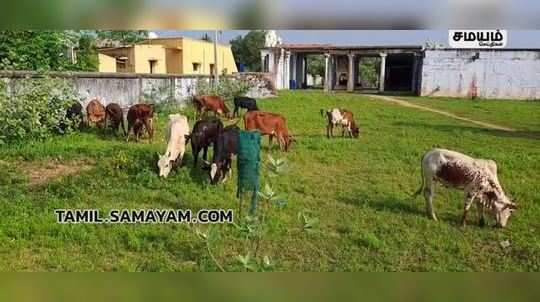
(196, 67)
(121, 64)
(212, 69)
(153, 64)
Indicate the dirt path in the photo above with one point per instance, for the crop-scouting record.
(448, 114)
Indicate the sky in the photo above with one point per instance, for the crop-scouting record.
(516, 38)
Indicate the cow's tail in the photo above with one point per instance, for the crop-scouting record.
(419, 191)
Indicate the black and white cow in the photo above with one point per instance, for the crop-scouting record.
(477, 177)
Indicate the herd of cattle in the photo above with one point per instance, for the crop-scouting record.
(476, 177)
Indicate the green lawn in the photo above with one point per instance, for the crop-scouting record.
(359, 190)
(522, 115)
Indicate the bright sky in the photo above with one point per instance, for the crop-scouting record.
(516, 38)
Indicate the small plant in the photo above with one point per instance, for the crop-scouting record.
(307, 223)
(210, 237)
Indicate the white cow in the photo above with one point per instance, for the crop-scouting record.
(177, 130)
(477, 177)
(343, 118)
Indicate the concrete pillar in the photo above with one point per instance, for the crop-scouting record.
(287, 70)
(382, 71)
(327, 79)
(350, 80)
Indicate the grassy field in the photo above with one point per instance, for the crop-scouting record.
(521, 115)
(348, 201)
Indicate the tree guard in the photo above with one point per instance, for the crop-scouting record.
(248, 160)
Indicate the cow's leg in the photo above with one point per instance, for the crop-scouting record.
(195, 156)
(205, 151)
(429, 190)
(481, 218)
(328, 130)
(149, 129)
(123, 126)
(467, 206)
(130, 126)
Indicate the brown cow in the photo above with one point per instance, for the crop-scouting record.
(95, 113)
(270, 124)
(140, 115)
(212, 103)
(114, 114)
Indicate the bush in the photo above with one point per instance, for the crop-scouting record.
(227, 87)
(35, 109)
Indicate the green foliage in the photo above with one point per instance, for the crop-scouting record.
(87, 54)
(247, 49)
(34, 49)
(369, 71)
(35, 109)
(47, 50)
(227, 87)
(123, 36)
(316, 65)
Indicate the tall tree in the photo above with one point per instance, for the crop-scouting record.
(247, 49)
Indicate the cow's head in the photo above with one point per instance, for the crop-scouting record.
(355, 131)
(289, 139)
(218, 172)
(165, 165)
(504, 213)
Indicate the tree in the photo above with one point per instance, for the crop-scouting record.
(47, 50)
(123, 36)
(316, 65)
(247, 49)
(35, 49)
(87, 54)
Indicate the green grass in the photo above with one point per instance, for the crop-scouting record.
(358, 190)
(522, 115)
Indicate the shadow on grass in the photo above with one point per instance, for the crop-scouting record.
(409, 206)
(453, 128)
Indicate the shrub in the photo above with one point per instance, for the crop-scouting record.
(35, 108)
(227, 87)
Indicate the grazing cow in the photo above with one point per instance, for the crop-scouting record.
(212, 103)
(114, 114)
(204, 134)
(140, 115)
(343, 118)
(477, 177)
(226, 146)
(244, 102)
(75, 115)
(176, 134)
(270, 124)
(95, 113)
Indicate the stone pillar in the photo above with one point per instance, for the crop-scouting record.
(263, 61)
(382, 71)
(350, 80)
(327, 67)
